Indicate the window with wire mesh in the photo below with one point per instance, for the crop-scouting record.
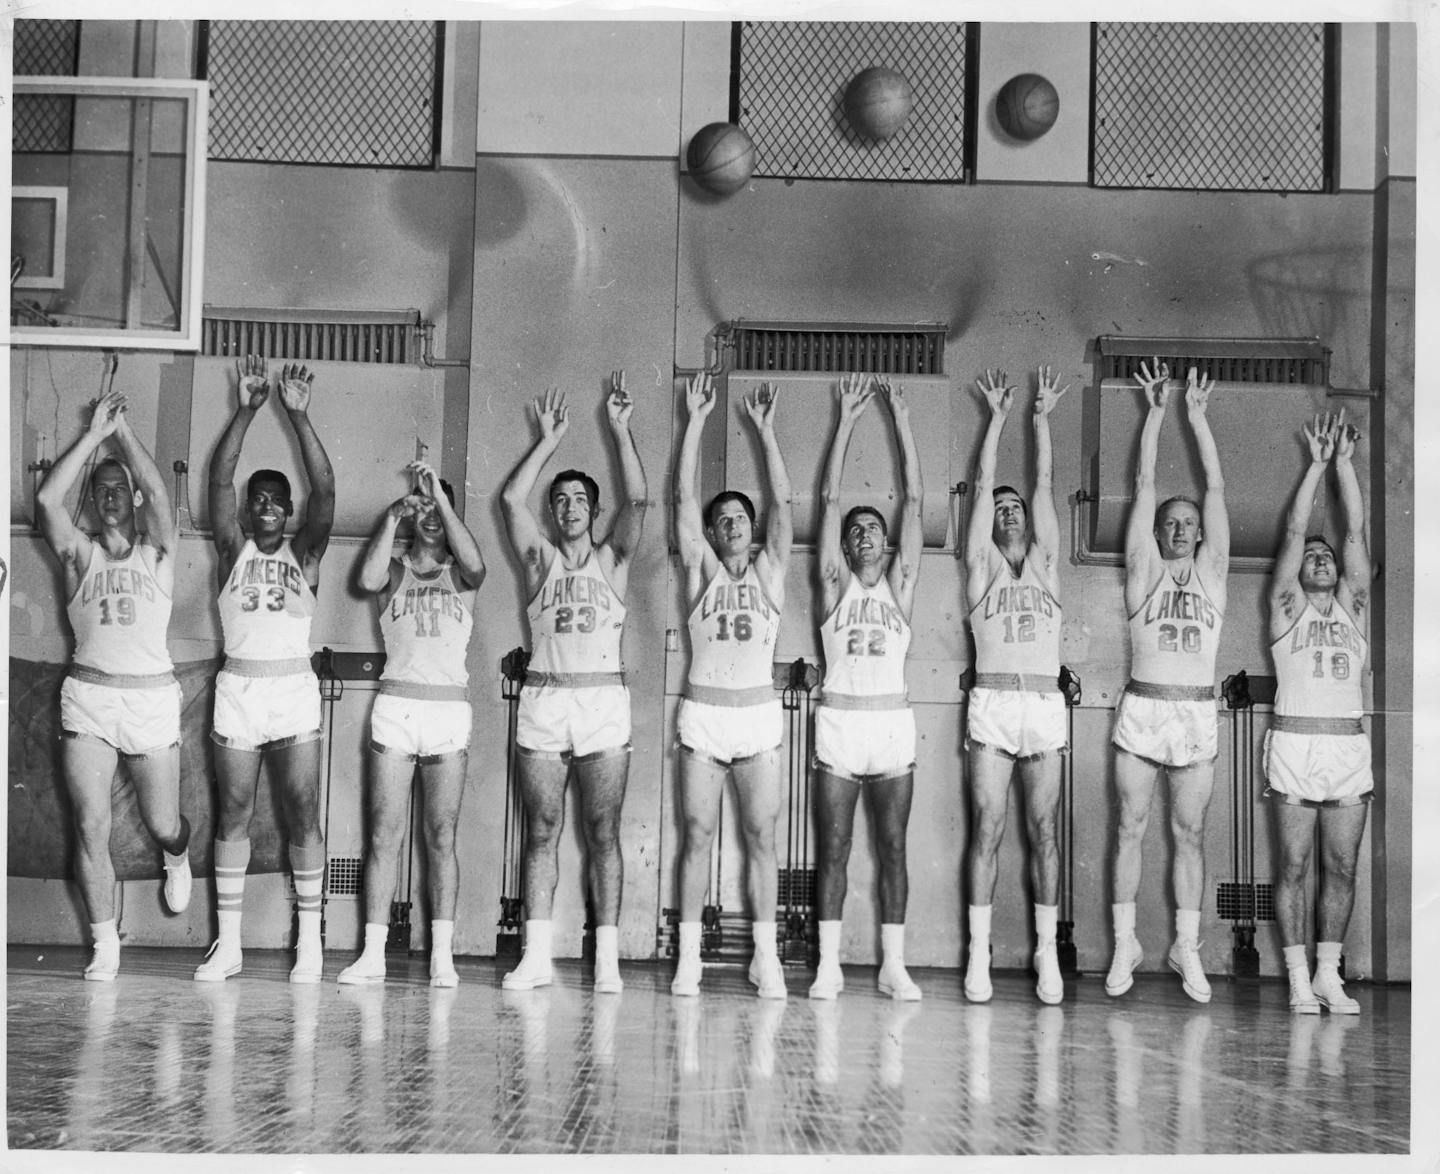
(792, 80)
(1220, 107)
(357, 93)
(43, 122)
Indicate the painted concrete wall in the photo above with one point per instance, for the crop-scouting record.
(586, 251)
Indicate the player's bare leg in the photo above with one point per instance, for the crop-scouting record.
(236, 772)
(1040, 781)
(542, 788)
(989, 784)
(757, 791)
(87, 766)
(444, 786)
(601, 779)
(297, 768)
(702, 780)
(834, 806)
(888, 803)
(1135, 788)
(387, 806)
(1190, 790)
(1341, 829)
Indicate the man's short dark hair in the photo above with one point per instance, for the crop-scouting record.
(592, 490)
(855, 511)
(1169, 501)
(260, 476)
(729, 495)
(112, 462)
(1323, 541)
(1010, 489)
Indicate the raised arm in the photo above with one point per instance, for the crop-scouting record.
(70, 544)
(779, 524)
(1044, 521)
(855, 391)
(1286, 599)
(905, 566)
(689, 525)
(1141, 553)
(252, 389)
(979, 539)
(378, 573)
(1214, 517)
(1354, 588)
(310, 543)
(625, 534)
(523, 528)
(463, 547)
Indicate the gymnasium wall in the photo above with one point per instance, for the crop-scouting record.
(575, 247)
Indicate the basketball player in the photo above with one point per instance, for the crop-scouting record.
(1175, 597)
(267, 699)
(574, 710)
(1317, 756)
(864, 730)
(422, 713)
(730, 720)
(120, 699)
(1016, 712)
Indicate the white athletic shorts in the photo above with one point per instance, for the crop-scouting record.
(266, 713)
(728, 732)
(415, 728)
(135, 722)
(863, 743)
(1166, 732)
(1318, 768)
(1017, 724)
(557, 719)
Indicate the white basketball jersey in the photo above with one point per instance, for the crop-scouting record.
(865, 640)
(266, 606)
(119, 614)
(426, 627)
(733, 628)
(576, 621)
(1318, 663)
(1017, 625)
(1176, 633)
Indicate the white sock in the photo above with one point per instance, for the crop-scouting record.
(1123, 914)
(892, 944)
(689, 939)
(830, 943)
(310, 929)
(1046, 917)
(607, 943)
(763, 933)
(1295, 958)
(980, 924)
(375, 936)
(1327, 955)
(1187, 925)
(537, 939)
(229, 926)
(442, 935)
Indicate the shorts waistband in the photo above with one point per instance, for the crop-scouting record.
(1170, 692)
(290, 667)
(1017, 682)
(418, 692)
(1317, 804)
(731, 698)
(1286, 724)
(83, 672)
(880, 701)
(573, 680)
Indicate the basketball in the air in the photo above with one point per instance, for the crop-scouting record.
(721, 158)
(878, 101)
(1027, 106)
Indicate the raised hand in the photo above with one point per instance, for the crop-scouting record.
(1046, 395)
(408, 506)
(427, 481)
(760, 407)
(294, 384)
(108, 414)
(1345, 436)
(252, 382)
(1320, 438)
(699, 395)
(552, 413)
(1197, 391)
(618, 404)
(997, 392)
(894, 397)
(1156, 393)
(855, 392)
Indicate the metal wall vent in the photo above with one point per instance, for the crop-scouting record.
(792, 346)
(1245, 901)
(1226, 360)
(344, 336)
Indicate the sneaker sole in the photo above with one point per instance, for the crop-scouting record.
(1338, 1010)
(218, 975)
(767, 992)
(901, 994)
(1305, 1008)
(445, 981)
(526, 984)
(609, 986)
(979, 996)
(1116, 991)
(1050, 998)
(828, 993)
(101, 975)
(348, 979)
(306, 977)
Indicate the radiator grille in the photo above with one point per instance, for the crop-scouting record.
(44, 123)
(339, 336)
(1228, 360)
(797, 888)
(344, 876)
(1244, 901)
(898, 350)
